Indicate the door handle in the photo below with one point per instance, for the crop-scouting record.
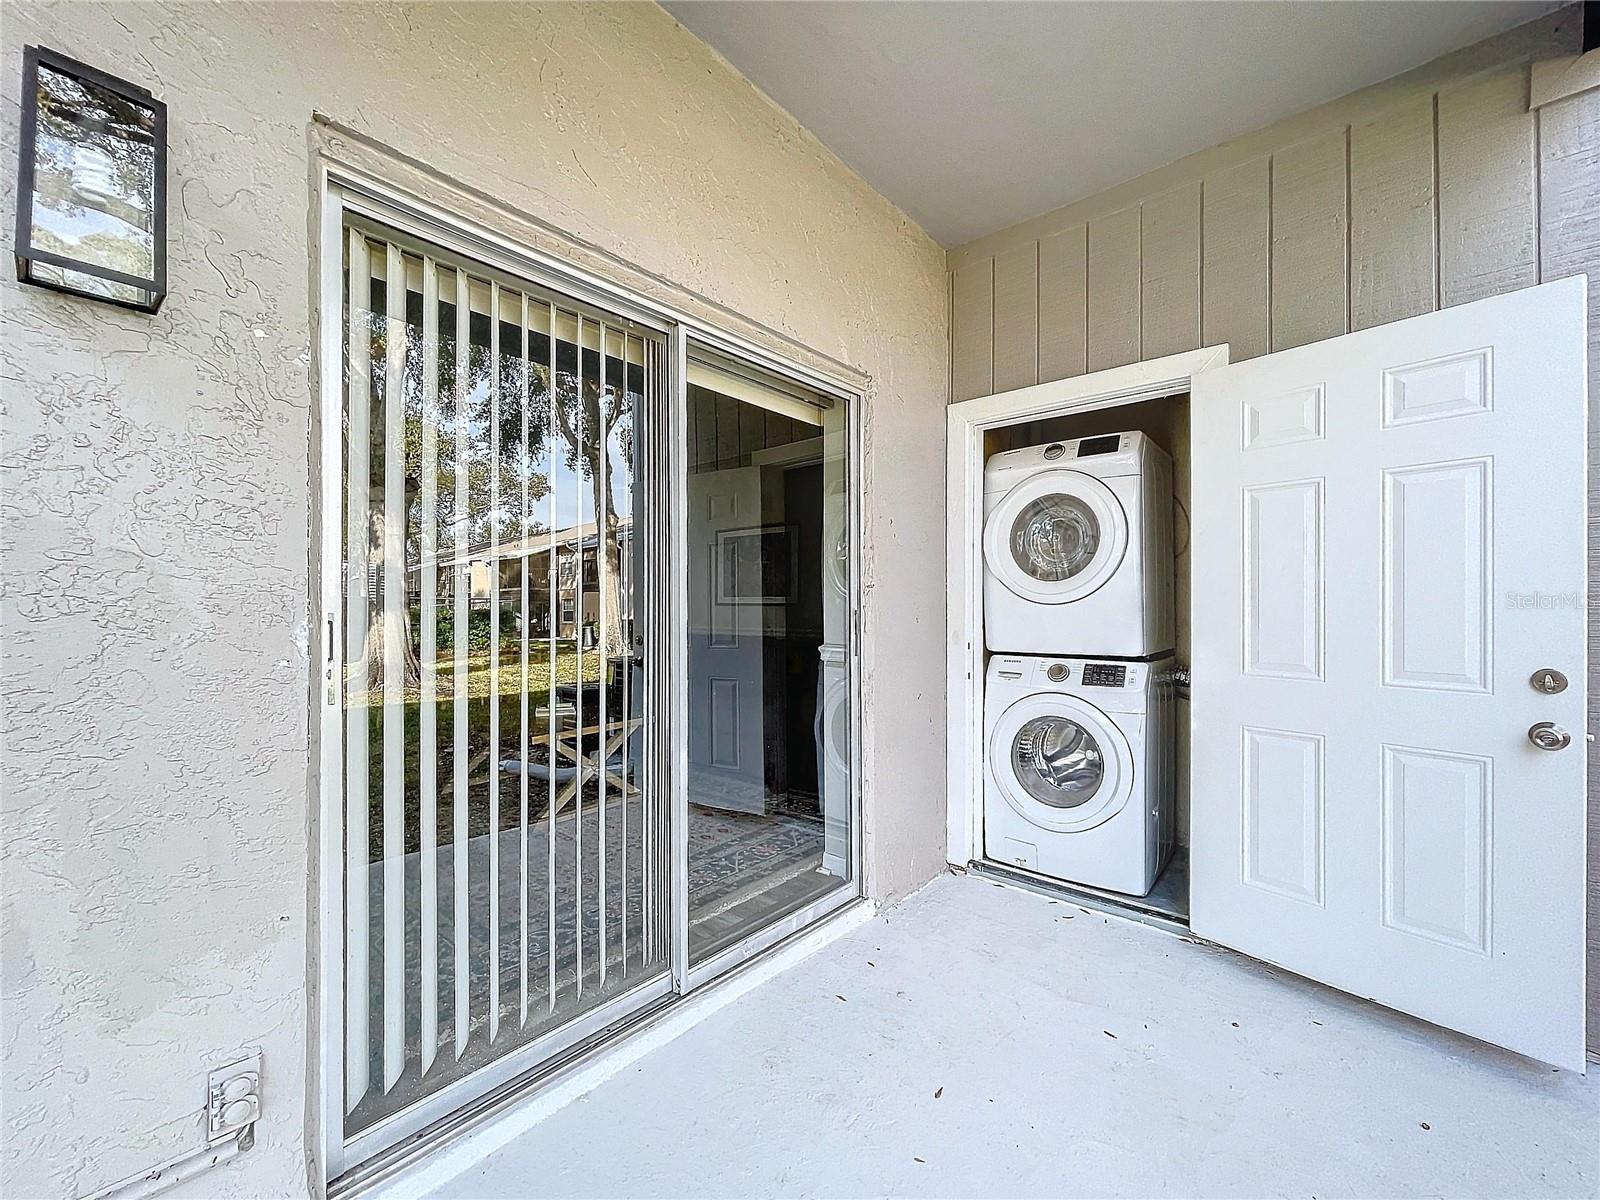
(1547, 735)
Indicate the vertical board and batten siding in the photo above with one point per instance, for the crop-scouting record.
(1169, 273)
(1434, 200)
(1309, 252)
(1016, 318)
(1488, 189)
(1436, 189)
(1064, 304)
(972, 330)
(1569, 243)
(1236, 223)
(1393, 269)
(1114, 284)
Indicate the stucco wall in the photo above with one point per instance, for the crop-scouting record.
(1438, 187)
(157, 516)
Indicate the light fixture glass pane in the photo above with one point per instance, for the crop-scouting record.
(94, 184)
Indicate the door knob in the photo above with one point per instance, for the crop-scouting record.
(1547, 735)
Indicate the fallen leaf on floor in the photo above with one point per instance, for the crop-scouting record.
(1109, 1034)
(937, 1093)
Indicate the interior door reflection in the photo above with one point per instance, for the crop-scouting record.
(769, 720)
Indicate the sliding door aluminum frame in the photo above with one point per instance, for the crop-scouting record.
(344, 194)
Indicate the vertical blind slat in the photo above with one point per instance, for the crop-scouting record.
(494, 663)
(672, 445)
(428, 723)
(602, 542)
(577, 609)
(394, 673)
(550, 701)
(652, 650)
(461, 575)
(627, 716)
(522, 688)
(358, 850)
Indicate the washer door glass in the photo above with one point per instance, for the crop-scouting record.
(1057, 761)
(1055, 537)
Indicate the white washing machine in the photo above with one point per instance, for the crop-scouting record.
(1077, 548)
(833, 757)
(1080, 769)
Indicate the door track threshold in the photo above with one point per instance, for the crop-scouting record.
(1128, 910)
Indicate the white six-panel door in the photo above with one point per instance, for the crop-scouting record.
(1389, 542)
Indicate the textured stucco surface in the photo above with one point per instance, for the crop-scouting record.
(157, 520)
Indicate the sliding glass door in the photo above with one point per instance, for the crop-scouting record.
(769, 637)
(507, 858)
(587, 734)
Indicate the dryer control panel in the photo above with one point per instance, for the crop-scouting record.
(1106, 444)
(1104, 455)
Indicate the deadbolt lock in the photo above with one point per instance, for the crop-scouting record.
(1548, 680)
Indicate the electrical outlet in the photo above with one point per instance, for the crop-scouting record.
(233, 1098)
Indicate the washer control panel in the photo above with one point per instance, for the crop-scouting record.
(1069, 672)
(1100, 674)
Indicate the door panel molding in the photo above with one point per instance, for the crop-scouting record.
(1452, 849)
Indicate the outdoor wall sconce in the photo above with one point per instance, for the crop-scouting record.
(91, 184)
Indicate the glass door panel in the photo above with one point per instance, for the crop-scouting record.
(769, 724)
(505, 839)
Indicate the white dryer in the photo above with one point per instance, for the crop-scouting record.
(1077, 548)
(1080, 769)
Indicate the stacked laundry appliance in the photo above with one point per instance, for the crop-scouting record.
(1079, 705)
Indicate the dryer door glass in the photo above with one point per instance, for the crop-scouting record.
(1055, 537)
(1057, 761)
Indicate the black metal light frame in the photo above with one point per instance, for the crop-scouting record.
(155, 288)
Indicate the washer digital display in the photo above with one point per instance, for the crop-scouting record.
(1104, 675)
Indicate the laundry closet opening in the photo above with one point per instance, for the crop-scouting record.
(1086, 643)
(1376, 748)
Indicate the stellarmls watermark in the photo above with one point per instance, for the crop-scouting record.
(1546, 600)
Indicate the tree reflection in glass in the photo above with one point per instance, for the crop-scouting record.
(93, 184)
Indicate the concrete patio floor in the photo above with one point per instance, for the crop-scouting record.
(979, 1040)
